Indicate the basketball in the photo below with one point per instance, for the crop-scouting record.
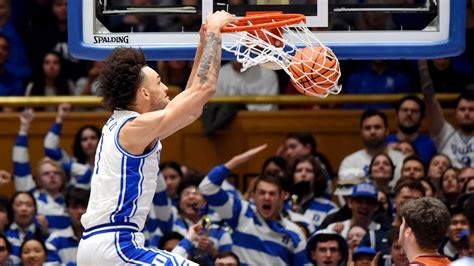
(315, 70)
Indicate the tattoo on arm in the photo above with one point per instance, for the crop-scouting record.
(209, 58)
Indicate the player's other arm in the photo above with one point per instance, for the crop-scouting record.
(187, 106)
(433, 108)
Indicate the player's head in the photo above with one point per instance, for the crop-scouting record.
(465, 111)
(326, 247)
(308, 168)
(76, 205)
(410, 112)
(85, 143)
(374, 128)
(298, 144)
(269, 196)
(413, 167)
(425, 222)
(128, 83)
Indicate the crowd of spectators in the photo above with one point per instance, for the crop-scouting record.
(289, 215)
(35, 60)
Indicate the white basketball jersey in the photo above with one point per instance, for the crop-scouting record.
(123, 184)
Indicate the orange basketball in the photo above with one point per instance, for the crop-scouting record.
(315, 70)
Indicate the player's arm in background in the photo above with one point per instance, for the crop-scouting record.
(187, 106)
(433, 108)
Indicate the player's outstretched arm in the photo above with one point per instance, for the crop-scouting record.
(433, 108)
(187, 106)
(197, 57)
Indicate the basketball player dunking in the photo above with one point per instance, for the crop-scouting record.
(127, 158)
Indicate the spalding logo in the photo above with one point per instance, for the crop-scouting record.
(111, 39)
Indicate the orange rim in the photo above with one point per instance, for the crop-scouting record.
(265, 21)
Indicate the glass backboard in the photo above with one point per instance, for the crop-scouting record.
(354, 29)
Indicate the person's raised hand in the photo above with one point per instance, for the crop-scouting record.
(26, 118)
(63, 111)
(244, 157)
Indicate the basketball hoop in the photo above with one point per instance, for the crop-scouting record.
(270, 40)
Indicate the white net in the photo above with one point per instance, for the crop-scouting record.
(314, 70)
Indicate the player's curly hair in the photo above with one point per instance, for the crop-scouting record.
(121, 77)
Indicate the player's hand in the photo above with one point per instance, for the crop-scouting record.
(244, 157)
(219, 19)
(26, 118)
(5, 177)
(63, 111)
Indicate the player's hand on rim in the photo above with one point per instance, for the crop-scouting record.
(219, 19)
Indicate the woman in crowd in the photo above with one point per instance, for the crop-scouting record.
(79, 167)
(438, 164)
(310, 203)
(449, 186)
(381, 171)
(430, 189)
(25, 223)
(33, 252)
(173, 175)
(51, 80)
